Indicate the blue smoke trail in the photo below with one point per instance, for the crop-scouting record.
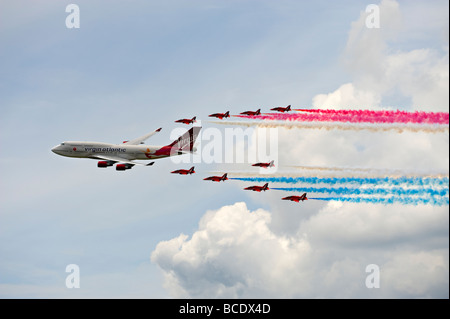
(369, 191)
(412, 181)
(389, 200)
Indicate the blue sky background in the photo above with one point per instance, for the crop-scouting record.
(134, 66)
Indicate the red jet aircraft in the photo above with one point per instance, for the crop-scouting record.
(220, 115)
(252, 113)
(265, 165)
(184, 171)
(296, 198)
(258, 188)
(216, 178)
(282, 109)
(187, 121)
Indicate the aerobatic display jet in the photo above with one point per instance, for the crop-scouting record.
(296, 198)
(187, 121)
(258, 188)
(124, 154)
(265, 165)
(184, 171)
(252, 113)
(282, 109)
(216, 178)
(220, 115)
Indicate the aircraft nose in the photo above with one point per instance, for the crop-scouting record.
(55, 149)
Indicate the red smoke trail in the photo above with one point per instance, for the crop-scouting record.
(359, 116)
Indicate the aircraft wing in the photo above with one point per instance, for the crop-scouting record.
(121, 160)
(141, 139)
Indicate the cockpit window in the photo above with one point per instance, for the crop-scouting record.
(62, 143)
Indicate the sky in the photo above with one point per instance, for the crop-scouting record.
(134, 66)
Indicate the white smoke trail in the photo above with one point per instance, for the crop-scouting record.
(312, 173)
(372, 171)
(377, 127)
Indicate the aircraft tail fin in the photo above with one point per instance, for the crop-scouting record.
(224, 177)
(185, 143)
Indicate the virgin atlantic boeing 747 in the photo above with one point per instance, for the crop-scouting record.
(128, 151)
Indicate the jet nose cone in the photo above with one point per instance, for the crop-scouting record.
(56, 150)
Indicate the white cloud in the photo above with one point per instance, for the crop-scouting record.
(380, 71)
(423, 75)
(407, 151)
(416, 274)
(235, 254)
(376, 225)
(347, 96)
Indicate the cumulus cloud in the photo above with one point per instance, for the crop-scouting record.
(419, 152)
(377, 225)
(235, 254)
(381, 72)
(347, 96)
(423, 274)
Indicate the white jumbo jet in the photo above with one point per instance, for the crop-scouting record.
(128, 151)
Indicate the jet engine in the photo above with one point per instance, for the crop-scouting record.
(122, 167)
(104, 164)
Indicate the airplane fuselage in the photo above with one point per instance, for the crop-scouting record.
(95, 150)
(124, 154)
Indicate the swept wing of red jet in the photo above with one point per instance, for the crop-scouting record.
(258, 188)
(220, 115)
(216, 178)
(265, 165)
(187, 121)
(296, 198)
(184, 171)
(282, 109)
(252, 113)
